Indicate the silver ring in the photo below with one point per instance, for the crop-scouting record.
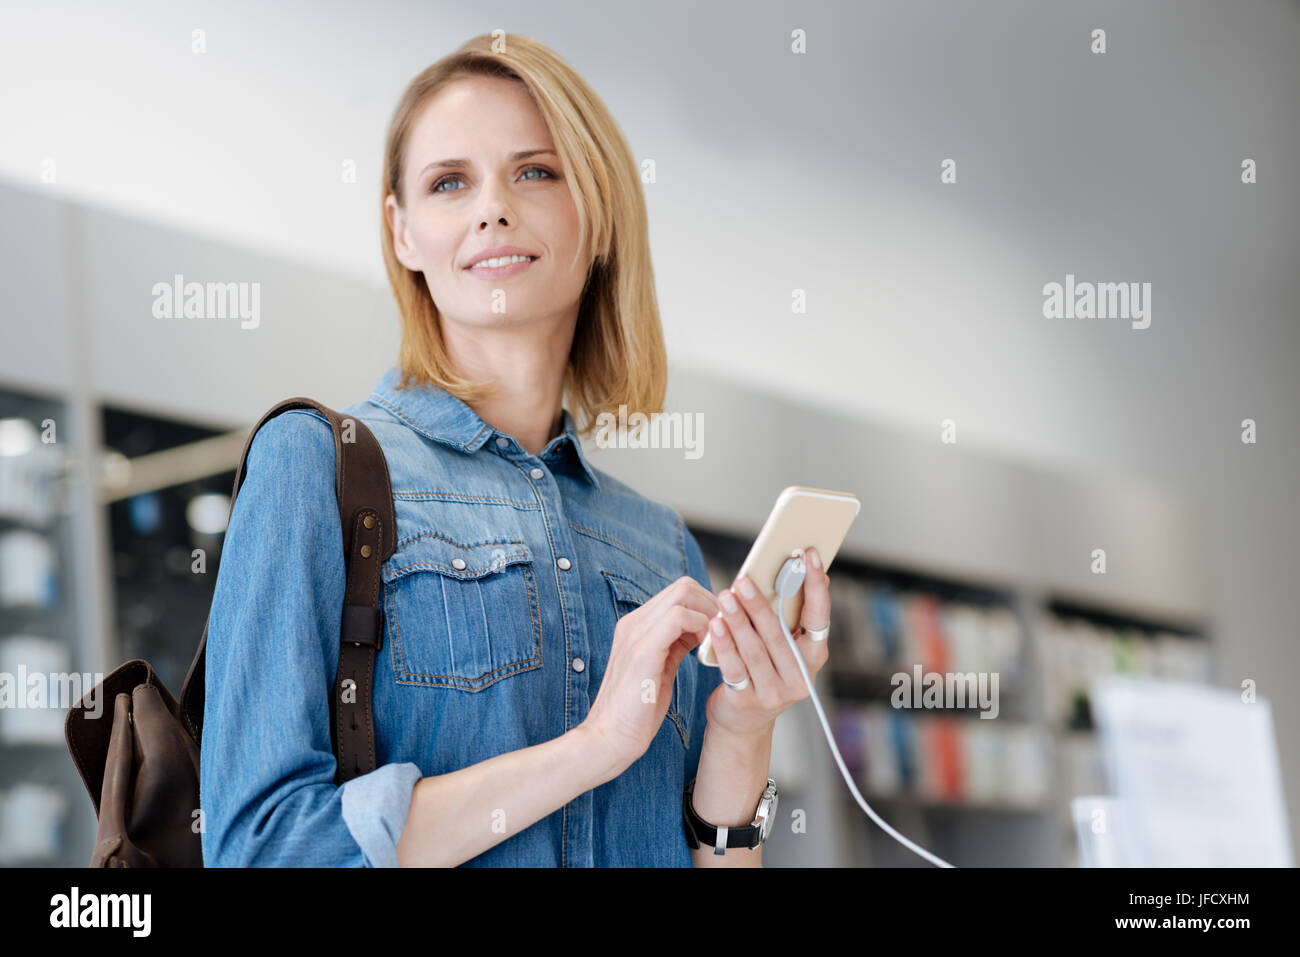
(818, 634)
(737, 685)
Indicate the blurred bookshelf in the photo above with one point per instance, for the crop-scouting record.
(162, 591)
(1082, 641)
(49, 655)
(975, 791)
(41, 638)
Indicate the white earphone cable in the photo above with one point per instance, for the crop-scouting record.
(791, 570)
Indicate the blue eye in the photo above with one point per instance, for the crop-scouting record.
(446, 179)
(454, 177)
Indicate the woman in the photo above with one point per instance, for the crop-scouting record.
(535, 699)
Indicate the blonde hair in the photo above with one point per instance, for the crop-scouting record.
(618, 355)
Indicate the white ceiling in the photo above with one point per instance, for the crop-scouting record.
(779, 172)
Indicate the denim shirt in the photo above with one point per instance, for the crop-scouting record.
(499, 606)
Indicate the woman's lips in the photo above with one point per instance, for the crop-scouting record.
(500, 272)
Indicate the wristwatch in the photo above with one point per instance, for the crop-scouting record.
(749, 836)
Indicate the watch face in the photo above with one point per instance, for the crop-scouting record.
(765, 828)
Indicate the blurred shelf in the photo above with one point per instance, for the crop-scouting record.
(36, 484)
(1140, 625)
(16, 748)
(1050, 646)
(916, 802)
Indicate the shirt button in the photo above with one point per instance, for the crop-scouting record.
(563, 563)
(458, 564)
(579, 664)
(537, 473)
(502, 441)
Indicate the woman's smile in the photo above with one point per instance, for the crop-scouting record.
(509, 266)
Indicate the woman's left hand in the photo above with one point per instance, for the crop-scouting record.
(749, 642)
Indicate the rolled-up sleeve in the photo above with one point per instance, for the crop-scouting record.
(267, 763)
(375, 807)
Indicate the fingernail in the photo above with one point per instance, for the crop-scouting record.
(745, 587)
(814, 558)
(728, 602)
(716, 625)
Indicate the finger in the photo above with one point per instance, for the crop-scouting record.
(676, 623)
(814, 653)
(730, 663)
(684, 591)
(688, 601)
(816, 593)
(760, 609)
(754, 650)
(761, 620)
(664, 641)
(676, 653)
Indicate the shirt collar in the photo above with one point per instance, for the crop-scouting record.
(434, 412)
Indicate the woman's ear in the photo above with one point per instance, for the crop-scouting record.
(402, 246)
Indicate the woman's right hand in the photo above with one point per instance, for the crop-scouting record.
(649, 644)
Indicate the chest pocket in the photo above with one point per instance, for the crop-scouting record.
(628, 595)
(461, 615)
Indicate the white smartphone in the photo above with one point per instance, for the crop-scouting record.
(802, 518)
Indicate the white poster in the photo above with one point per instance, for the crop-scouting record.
(1195, 770)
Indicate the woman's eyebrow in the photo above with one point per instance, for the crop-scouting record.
(513, 157)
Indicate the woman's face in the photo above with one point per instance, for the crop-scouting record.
(488, 196)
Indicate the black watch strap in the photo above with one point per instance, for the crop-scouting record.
(700, 832)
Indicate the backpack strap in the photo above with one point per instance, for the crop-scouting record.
(365, 501)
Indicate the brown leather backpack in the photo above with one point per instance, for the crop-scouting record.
(140, 761)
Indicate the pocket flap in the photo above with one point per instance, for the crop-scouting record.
(447, 557)
(625, 589)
